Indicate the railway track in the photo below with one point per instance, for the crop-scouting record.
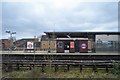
(93, 61)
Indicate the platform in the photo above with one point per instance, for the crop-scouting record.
(53, 53)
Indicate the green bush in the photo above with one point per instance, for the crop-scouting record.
(116, 69)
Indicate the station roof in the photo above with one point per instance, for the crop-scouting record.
(79, 34)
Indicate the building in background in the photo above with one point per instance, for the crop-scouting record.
(86, 41)
(5, 44)
(22, 43)
(70, 42)
(47, 43)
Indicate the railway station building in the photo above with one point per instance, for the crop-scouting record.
(84, 42)
(71, 42)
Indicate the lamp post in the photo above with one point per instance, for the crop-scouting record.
(49, 50)
(11, 43)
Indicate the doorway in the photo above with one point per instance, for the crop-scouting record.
(77, 43)
(66, 46)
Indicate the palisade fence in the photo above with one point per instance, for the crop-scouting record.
(107, 46)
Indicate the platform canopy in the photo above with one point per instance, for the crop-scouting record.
(78, 34)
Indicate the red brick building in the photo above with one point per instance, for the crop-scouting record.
(5, 44)
(22, 43)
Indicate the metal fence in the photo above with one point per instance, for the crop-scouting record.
(107, 46)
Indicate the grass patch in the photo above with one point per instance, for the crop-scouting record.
(49, 73)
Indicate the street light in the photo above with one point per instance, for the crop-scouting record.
(11, 33)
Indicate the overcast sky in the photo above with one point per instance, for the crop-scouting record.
(31, 19)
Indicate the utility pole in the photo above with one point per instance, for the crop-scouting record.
(51, 40)
(34, 48)
(11, 42)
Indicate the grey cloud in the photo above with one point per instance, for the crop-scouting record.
(29, 19)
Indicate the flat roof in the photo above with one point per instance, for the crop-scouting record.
(79, 34)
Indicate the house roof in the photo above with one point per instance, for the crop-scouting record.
(4, 40)
(26, 39)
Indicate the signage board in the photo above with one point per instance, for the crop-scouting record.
(30, 45)
(83, 46)
(71, 44)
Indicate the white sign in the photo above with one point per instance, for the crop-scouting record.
(83, 46)
(66, 51)
(30, 45)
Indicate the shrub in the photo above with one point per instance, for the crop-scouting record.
(116, 69)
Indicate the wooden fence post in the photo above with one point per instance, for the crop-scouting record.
(80, 68)
(18, 67)
(42, 68)
(56, 67)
